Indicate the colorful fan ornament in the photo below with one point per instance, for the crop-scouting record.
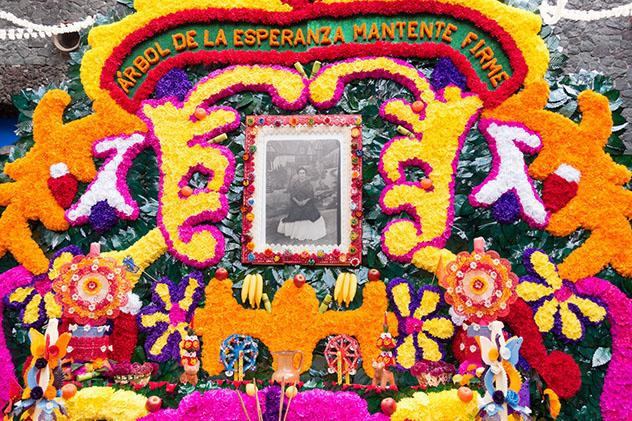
(91, 289)
(556, 304)
(480, 286)
(43, 375)
(238, 354)
(501, 379)
(420, 329)
(342, 354)
(167, 320)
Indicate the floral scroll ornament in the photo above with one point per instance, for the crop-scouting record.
(479, 285)
(167, 320)
(557, 306)
(420, 329)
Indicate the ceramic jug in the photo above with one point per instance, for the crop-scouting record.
(287, 371)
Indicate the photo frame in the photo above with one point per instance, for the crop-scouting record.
(303, 190)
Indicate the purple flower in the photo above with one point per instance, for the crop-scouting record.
(506, 209)
(174, 83)
(445, 73)
(102, 216)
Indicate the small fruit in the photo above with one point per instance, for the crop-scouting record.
(221, 274)
(291, 392)
(200, 113)
(186, 191)
(251, 389)
(299, 280)
(465, 394)
(388, 406)
(426, 183)
(374, 275)
(153, 404)
(68, 391)
(418, 106)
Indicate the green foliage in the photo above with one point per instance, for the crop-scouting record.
(361, 97)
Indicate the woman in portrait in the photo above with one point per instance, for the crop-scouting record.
(304, 221)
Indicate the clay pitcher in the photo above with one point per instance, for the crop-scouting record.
(287, 371)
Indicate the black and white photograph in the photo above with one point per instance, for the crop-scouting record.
(303, 192)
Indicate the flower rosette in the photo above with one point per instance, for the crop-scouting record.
(420, 328)
(91, 289)
(558, 307)
(167, 320)
(480, 286)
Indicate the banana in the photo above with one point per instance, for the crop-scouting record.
(253, 289)
(338, 288)
(245, 287)
(266, 303)
(351, 289)
(259, 291)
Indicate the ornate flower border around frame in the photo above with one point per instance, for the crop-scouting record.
(350, 251)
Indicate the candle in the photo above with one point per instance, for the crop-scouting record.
(339, 366)
(241, 365)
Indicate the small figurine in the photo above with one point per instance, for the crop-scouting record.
(383, 376)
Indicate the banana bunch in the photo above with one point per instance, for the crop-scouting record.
(345, 289)
(252, 290)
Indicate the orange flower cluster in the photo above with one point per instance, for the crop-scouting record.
(29, 197)
(601, 204)
(293, 324)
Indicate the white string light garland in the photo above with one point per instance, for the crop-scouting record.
(28, 29)
(551, 14)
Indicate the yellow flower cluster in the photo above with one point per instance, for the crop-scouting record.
(436, 406)
(105, 403)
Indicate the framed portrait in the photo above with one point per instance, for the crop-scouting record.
(303, 190)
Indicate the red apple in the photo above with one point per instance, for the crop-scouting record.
(153, 404)
(465, 394)
(221, 274)
(299, 280)
(374, 275)
(68, 391)
(388, 406)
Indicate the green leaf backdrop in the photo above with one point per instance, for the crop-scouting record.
(362, 97)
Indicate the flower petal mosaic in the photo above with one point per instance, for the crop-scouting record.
(292, 210)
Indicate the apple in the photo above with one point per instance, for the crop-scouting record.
(186, 191)
(388, 406)
(153, 404)
(68, 391)
(221, 274)
(374, 275)
(299, 280)
(426, 183)
(418, 107)
(465, 394)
